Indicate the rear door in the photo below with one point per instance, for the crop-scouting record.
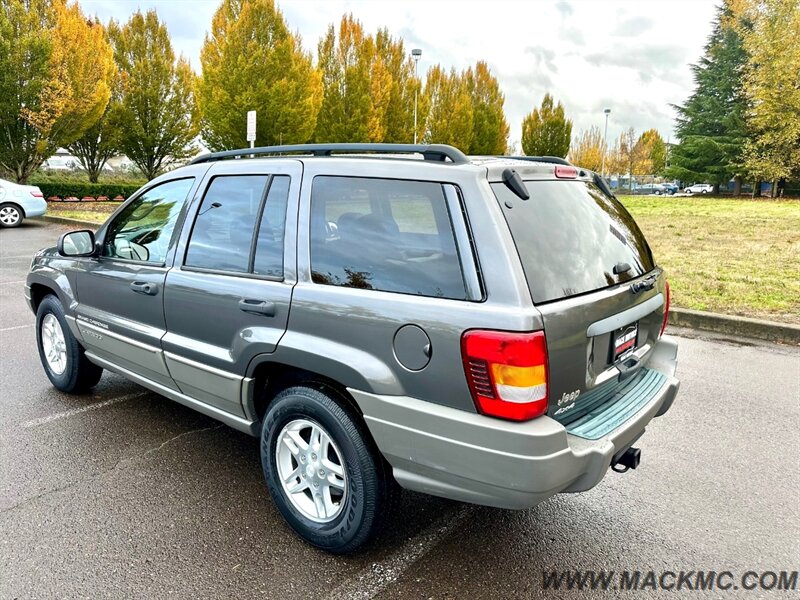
(592, 276)
(120, 311)
(227, 299)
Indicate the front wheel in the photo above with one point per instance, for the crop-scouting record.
(62, 356)
(322, 469)
(10, 215)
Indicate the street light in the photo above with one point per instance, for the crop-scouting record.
(416, 53)
(607, 112)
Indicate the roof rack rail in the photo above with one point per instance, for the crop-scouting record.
(556, 160)
(435, 152)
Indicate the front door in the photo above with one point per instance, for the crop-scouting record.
(120, 311)
(227, 299)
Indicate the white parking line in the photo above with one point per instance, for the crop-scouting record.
(17, 327)
(4, 257)
(378, 576)
(77, 411)
(10, 282)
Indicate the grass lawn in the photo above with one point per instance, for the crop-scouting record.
(95, 212)
(730, 256)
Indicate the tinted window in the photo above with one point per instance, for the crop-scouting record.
(570, 236)
(269, 247)
(382, 234)
(144, 228)
(223, 230)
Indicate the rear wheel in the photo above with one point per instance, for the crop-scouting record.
(10, 215)
(322, 469)
(62, 356)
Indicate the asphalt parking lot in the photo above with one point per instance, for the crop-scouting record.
(124, 494)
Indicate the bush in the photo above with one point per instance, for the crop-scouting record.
(65, 190)
(61, 176)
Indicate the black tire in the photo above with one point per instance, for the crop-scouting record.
(9, 211)
(80, 374)
(370, 485)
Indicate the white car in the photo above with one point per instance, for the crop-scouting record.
(699, 188)
(18, 202)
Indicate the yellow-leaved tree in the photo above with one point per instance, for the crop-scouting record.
(489, 126)
(251, 61)
(55, 72)
(156, 110)
(587, 149)
(448, 109)
(770, 30)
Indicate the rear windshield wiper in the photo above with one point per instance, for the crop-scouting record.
(648, 283)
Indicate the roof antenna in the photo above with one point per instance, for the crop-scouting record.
(514, 182)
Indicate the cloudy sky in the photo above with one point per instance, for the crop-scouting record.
(631, 56)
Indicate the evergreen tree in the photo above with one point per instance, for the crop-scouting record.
(711, 124)
(251, 61)
(546, 131)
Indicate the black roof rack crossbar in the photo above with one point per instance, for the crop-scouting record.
(556, 160)
(436, 152)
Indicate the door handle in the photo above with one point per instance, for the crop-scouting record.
(257, 307)
(141, 287)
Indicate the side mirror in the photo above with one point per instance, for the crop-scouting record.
(77, 243)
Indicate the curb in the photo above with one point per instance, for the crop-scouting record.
(66, 221)
(739, 326)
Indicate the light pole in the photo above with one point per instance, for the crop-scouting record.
(416, 53)
(607, 111)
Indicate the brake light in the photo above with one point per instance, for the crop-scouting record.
(666, 309)
(507, 372)
(565, 172)
(37, 194)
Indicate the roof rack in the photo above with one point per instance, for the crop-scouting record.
(434, 152)
(556, 160)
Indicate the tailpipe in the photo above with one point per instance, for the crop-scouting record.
(628, 459)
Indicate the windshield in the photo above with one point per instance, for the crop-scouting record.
(572, 238)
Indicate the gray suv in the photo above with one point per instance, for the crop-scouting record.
(484, 329)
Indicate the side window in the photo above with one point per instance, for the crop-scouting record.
(144, 229)
(383, 234)
(223, 230)
(269, 245)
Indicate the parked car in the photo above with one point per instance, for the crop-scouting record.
(17, 202)
(487, 330)
(699, 188)
(657, 189)
(670, 188)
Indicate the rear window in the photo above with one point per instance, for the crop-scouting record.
(570, 237)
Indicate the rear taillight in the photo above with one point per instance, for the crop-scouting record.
(37, 194)
(507, 372)
(666, 309)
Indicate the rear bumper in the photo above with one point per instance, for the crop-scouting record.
(34, 207)
(473, 458)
